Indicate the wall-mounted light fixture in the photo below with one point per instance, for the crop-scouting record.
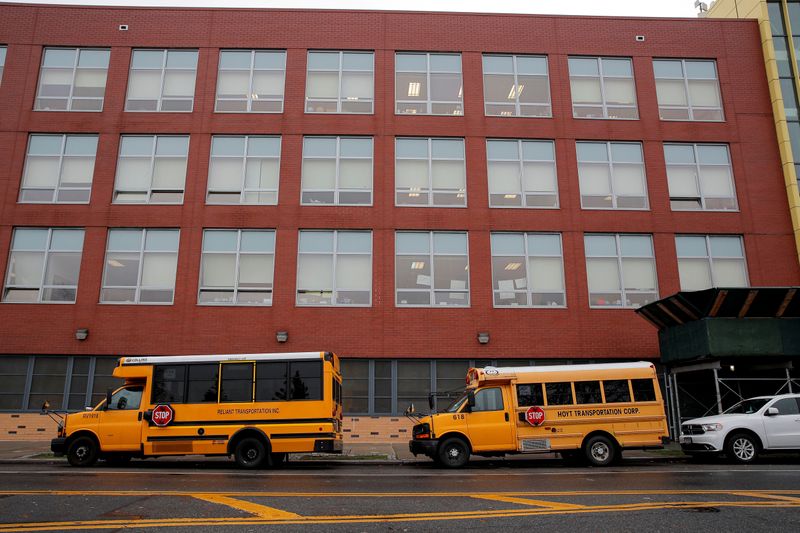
(483, 337)
(81, 334)
(281, 336)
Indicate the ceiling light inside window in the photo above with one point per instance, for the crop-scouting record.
(413, 88)
(115, 263)
(460, 91)
(417, 265)
(513, 266)
(510, 196)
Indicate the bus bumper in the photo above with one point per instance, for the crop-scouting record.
(58, 446)
(328, 445)
(423, 447)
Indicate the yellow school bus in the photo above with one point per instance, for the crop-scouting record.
(255, 407)
(586, 412)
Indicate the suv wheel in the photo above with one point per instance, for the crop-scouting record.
(741, 448)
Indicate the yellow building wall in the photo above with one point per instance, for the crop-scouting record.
(757, 9)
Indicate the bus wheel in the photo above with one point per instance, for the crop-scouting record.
(453, 453)
(599, 451)
(83, 451)
(250, 452)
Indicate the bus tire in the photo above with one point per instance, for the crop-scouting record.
(599, 451)
(453, 453)
(250, 453)
(83, 451)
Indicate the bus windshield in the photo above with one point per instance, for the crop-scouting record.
(457, 403)
(747, 407)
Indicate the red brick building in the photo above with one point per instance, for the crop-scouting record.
(528, 178)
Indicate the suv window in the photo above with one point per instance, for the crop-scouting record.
(747, 407)
(787, 406)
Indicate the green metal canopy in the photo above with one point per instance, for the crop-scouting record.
(727, 322)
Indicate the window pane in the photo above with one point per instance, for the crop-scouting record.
(558, 393)
(617, 391)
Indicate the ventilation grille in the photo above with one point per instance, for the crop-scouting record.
(535, 445)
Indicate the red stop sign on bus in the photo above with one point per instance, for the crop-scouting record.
(535, 416)
(163, 415)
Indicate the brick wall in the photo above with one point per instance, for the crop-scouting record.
(381, 330)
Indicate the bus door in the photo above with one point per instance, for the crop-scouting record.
(120, 426)
(489, 422)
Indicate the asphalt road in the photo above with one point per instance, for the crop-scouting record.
(310, 497)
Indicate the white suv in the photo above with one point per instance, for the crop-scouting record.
(754, 426)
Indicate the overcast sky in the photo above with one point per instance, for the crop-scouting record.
(642, 8)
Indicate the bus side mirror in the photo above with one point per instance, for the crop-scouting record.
(410, 409)
(45, 407)
(430, 401)
(109, 392)
(470, 401)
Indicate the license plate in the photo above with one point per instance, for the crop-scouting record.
(686, 440)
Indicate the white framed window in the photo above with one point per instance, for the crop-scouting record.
(251, 81)
(602, 87)
(528, 270)
(706, 261)
(162, 80)
(244, 169)
(428, 84)
(516, 86)
(334, 268)
(72, 79)
(340, 82)
(43, 265)
(431, 268)
(700, 177)
(621, 270)
(237, 267)
(522, 173)
(151, 169)
(58, 169)
(430, 172)
(3, 50)
(611, 175)
(688, 89)
(337, 171)
(140, 266)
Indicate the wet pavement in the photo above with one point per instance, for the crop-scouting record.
(653, 494)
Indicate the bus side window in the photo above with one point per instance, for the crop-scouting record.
(126, 399)
(643, 390)
(202, 384)
(305, 380)
(271, 382)
(588, 392)
(237, 382)
(530, 394)
(617, 391)
(169, 383)
(488, 400)
(559, 393)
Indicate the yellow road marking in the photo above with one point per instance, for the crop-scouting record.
(768, 495)
(273, 494)
(526, 501)
(261, 511)
(438, 516)
(83, 525)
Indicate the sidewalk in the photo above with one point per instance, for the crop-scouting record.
(362, 453)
